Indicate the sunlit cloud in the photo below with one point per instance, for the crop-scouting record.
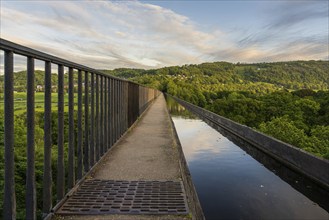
(108, 35)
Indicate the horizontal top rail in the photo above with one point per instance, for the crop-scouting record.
(26, 51)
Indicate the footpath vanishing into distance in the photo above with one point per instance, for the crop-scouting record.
(144, 176)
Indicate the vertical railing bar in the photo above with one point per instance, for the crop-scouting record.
(108, 113)
(131, 107)
(116, 109)
(30, 202)
(138, 106)
(101, 103)
(137, 98)
(97, 132)
(125, 105)
(9, 205)
(60, 137)
(105, 114)
(120, 109)
(79, 146)
(47, 171)
(92, 121)
(128, 101)
(140, 98)
(126, 114)
(135, 103)
(86, 142)
(112, 112)
(71, 176)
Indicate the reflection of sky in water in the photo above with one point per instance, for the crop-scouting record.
(233, 185)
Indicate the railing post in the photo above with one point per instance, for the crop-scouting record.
(92, 120)
(101, 118)
(79, 150)
(86, 144)
(105, 114)
(47, 171)
(111, 113)
(108, 121)
(115, 110)
(71, 173)
(120, 109)
(60, 137)
(126, 106)
(97, 132)
(9, 206)
(30, 202)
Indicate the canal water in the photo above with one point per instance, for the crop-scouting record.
(235, 181)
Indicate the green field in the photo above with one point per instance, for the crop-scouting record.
(20, 102)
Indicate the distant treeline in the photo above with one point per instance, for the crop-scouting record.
(287, 100)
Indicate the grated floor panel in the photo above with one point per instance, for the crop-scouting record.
(126, 197)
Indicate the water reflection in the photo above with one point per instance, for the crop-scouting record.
(231, 184)
(177, 110)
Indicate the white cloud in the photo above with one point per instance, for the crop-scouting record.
(106, 34)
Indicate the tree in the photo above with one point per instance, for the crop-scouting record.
(284, 129)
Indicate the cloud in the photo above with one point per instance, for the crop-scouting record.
(113, 34)
(129, 33)
(290, 31)
(292, 13)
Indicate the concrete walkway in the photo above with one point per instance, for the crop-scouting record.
(147, 152)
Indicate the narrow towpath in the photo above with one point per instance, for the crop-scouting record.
(148, 152)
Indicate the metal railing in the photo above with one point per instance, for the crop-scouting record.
(111, 105)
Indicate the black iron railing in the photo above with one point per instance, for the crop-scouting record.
(111, 105)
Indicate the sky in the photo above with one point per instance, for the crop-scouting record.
(154, 34)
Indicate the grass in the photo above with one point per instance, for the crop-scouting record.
(20, 101)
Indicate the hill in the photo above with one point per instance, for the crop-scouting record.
(220, 76)
(287, 100)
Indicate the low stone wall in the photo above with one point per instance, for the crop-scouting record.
(301, 161)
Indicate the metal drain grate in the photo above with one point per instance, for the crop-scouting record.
(126, 197)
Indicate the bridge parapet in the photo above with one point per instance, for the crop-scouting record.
(106, 107)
